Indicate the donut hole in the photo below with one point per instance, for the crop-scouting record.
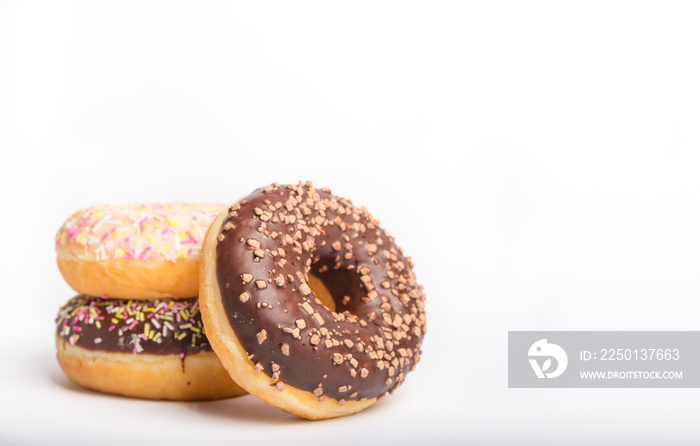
(321, 292)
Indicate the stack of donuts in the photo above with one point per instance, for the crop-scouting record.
(307, 303)
(135, 329)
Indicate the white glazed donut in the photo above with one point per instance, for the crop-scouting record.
(137, 251)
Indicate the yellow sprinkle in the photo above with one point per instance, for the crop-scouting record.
(171, 222)
(148, 310)
(63, 238)
(119, 253)
(97, 215)
(82, 237)
(150, 335)
(182, 336)
(115, 321)
(119, 315)
(115, 235)
(145, 328)
(184, 316)
(181, 254)
(163, 249)
(97, 323)
(182, 234)
(195, 329)
(150, 238)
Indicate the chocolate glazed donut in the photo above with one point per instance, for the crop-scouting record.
(153, 349)
(267, 248)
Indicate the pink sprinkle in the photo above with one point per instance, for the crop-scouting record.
(77, 328)
(100, 318)
(141, 224)
(133, 324)
(104, 296)
(84, 223)
(112, 328)
(107, 234)
(182, 356)
(144, 253)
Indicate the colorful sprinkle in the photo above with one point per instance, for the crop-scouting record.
(137, 231)
(134, 326)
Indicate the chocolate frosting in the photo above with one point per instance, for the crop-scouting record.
(268, 246)
(156, 327)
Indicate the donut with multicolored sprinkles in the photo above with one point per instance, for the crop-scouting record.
(134, 251)
(152, 349)
(260, 261)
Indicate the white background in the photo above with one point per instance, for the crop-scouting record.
(540, 161)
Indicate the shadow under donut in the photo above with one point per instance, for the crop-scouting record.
(245, 408)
